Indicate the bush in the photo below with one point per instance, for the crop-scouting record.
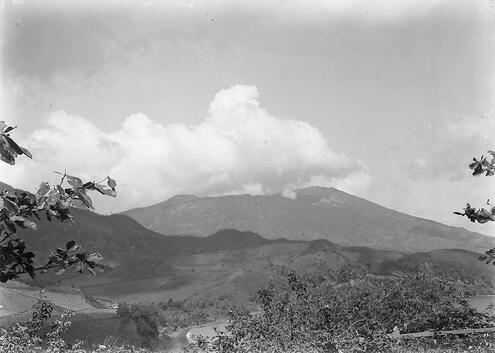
(146, 319)
(354, 316)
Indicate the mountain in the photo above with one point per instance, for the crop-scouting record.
(315, 213)
(121, 239)
(148, 266)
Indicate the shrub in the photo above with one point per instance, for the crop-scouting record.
(146, 319)
(353, 316)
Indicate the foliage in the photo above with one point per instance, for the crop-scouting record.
(355, 316)
(25, 338)
(17, 210)
(146, 319)
(480, 215)
(42, 311)
(483, 165)
(9, 149)
(486, 167)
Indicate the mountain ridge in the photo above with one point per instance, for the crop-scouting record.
(315, 213)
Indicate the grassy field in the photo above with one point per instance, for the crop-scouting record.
(17, 298)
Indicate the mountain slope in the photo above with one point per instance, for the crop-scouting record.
(316, 213)
(241, 272)
(148, 266)
(121, 239)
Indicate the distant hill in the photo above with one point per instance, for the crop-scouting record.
(121, 239)
(315, 213)
(148, 266)
(240, 272)
(7, 187)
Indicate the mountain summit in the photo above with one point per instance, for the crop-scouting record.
(314, 213)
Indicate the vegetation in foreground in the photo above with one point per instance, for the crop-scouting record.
(354, 315)
(346, 313)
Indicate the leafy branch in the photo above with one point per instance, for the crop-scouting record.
(483, 166)
(17, 210)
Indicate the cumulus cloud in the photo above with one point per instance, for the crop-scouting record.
(238, 148)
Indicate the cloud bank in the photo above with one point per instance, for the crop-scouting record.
(238, 148)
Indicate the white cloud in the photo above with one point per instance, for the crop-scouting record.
(238, 148)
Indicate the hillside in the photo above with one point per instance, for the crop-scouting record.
(316, 213)
(121, 239)
(148, 266)
(239, 272)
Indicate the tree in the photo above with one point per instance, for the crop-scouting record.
(480, 167)
(18, 208)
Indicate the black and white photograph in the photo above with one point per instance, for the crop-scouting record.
(247, 176)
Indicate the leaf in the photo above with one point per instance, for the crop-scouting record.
(8, 129)
(29, 255)
(14, 145)
(70, 244)
(61, 271)
(10, 205)
(74, 181)
(26, 152)
(53, 197)
(105, 191)
(84, 198)
(7, 154)
(91, 270)
(42, 190)
(112, 183)
(60, 190)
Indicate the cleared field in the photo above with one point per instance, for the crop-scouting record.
(209, 331)
(17, 298)
(482, 302)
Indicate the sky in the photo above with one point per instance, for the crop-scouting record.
(388, 100)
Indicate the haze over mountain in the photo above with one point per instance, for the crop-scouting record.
(314, 213)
